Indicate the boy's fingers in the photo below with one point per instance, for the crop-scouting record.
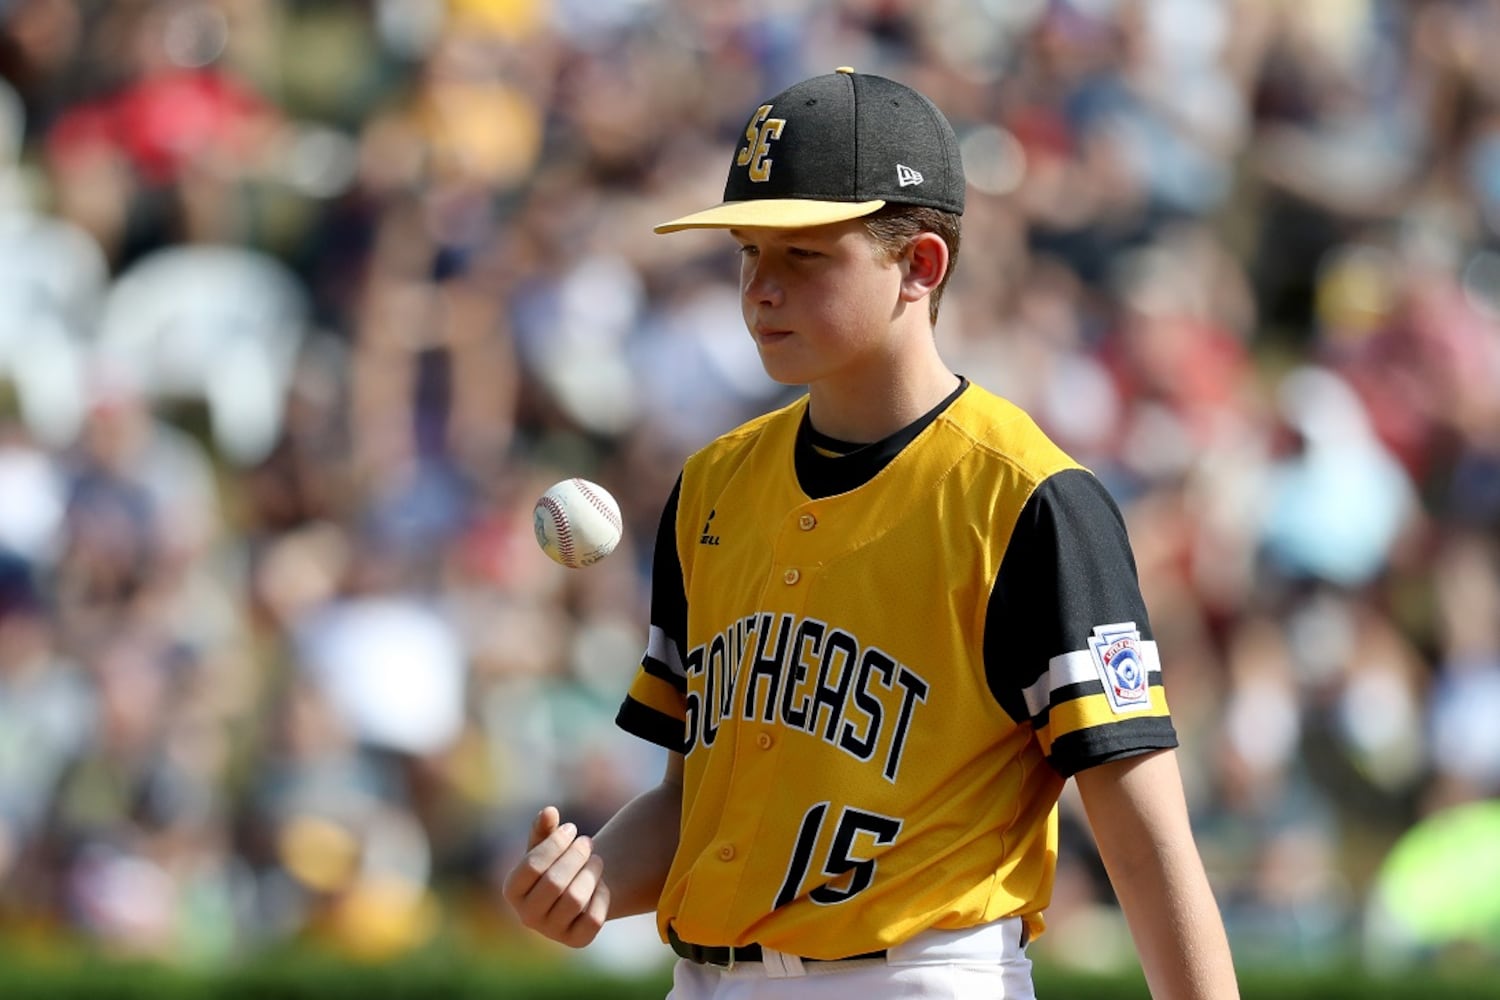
(552, 887)
(592, 912)
(572, 903)
(597, 910)
(538, 862)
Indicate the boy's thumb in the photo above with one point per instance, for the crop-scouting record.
(546, 821)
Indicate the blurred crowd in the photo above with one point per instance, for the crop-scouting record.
(304, 302)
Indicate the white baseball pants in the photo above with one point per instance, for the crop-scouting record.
(987, 961)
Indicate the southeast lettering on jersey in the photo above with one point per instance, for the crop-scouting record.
(807, 676)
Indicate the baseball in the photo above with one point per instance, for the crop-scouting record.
(577, 523)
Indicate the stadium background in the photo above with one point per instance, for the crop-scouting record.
(303, 302)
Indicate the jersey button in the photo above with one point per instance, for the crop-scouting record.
(726, 852)
(807, 522)
(791, 576)
(764, 741)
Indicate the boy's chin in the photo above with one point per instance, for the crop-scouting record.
(785, 375)
(785, 370)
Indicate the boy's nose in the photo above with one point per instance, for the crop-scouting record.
(761, 288)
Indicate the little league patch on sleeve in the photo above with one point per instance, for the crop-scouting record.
(1117, 654)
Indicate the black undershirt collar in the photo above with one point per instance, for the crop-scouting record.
(827, 466)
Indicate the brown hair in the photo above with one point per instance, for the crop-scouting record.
(893, 227)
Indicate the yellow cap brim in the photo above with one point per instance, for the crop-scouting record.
(772, 213)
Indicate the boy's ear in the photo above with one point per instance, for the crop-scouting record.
(924, 265)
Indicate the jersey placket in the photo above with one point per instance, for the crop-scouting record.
(743, 847)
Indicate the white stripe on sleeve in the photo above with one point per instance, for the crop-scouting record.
(663, 650)
(1078, 667)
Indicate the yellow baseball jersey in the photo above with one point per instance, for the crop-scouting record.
(882, 663)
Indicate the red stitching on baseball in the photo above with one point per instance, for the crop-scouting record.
(600, 504)
(564, 538)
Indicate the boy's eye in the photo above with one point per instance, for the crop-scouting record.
(800, 253)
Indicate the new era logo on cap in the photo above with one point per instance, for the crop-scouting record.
(834, 148)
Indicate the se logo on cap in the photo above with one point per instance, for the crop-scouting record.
(758, 138)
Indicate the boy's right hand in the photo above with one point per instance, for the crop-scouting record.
(558, 888)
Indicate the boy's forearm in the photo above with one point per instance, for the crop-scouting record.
(1181, 941)
(637, 846)
(1140, 821)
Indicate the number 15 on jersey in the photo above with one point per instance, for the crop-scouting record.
(841, 865)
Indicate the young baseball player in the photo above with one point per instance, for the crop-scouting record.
(888, 622)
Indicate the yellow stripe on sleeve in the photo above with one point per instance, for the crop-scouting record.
(1094, 710)
(655, 693)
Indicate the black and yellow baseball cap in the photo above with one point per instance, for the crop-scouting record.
(834, 148)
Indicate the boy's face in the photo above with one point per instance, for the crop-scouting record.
(819, 301)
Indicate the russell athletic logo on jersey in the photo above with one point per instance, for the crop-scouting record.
(1117, 654)
(707, 537)
(808, 676)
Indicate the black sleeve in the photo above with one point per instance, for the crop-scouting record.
(661, 665)
(668, 599)
(1067, 572)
